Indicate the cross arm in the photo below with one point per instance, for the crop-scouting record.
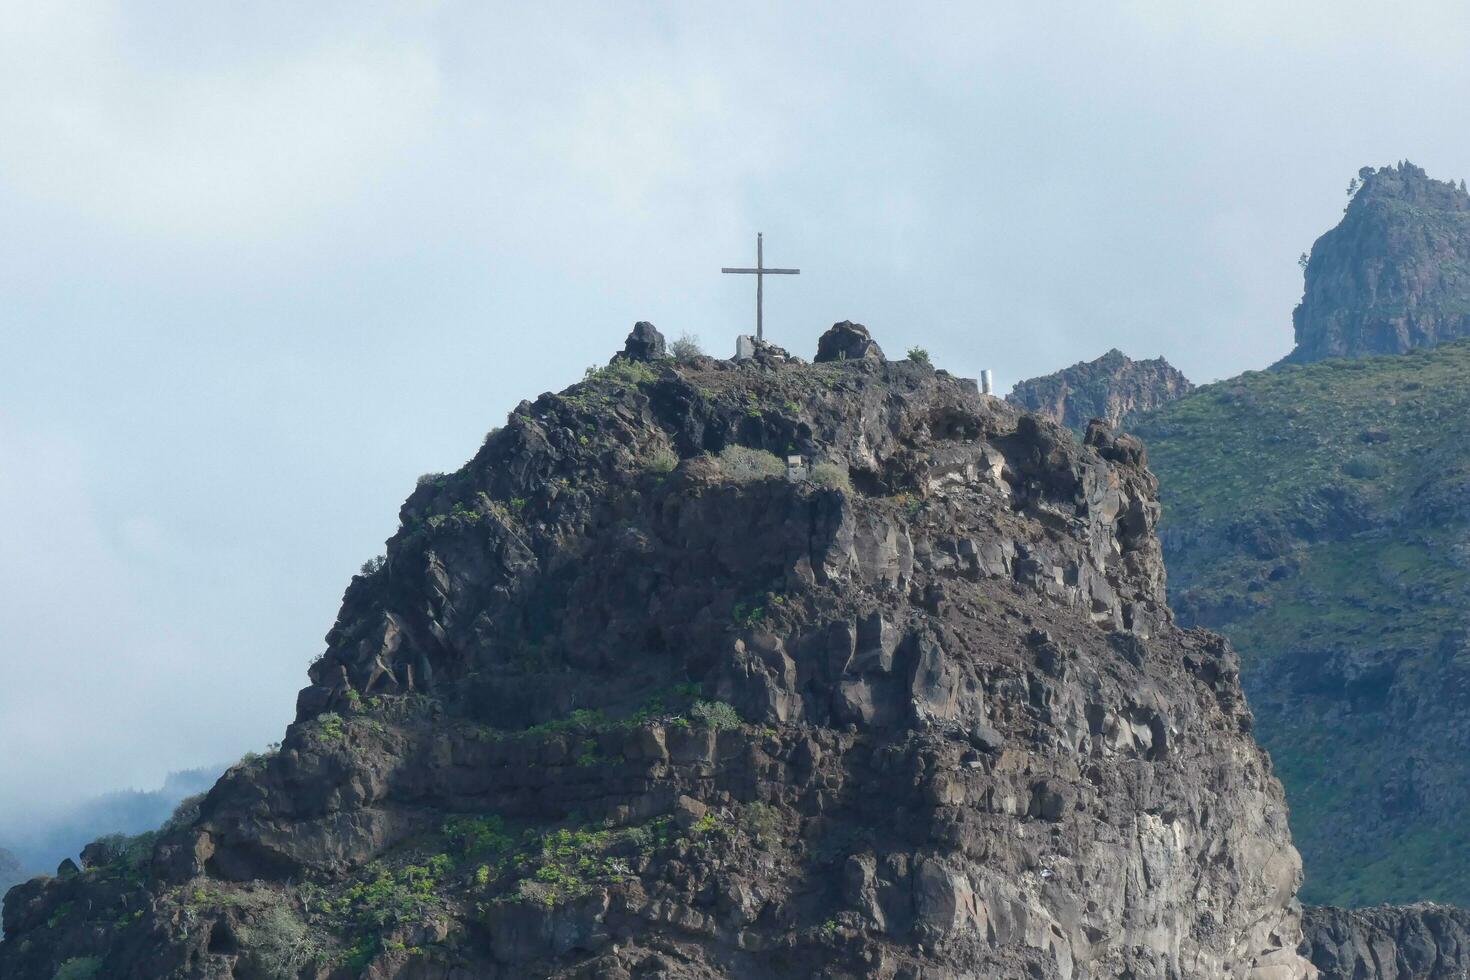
(768, 272)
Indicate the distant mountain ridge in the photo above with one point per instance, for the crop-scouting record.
(1320, 517)
(39, 848)
(1110, 388)
(1394, 275)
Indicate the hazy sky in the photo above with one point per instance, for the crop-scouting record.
(262, 264)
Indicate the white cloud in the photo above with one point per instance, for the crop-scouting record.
(154, 141)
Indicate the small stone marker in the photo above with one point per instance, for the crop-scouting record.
(744, 347)
(987, 382)
(795, 468)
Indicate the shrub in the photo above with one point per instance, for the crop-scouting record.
(79, 968)
(472, 836)
(280, 942)
(832, 476)
(918, 355)
(428, 478)
(716, 714)
(686, 348)
(185, 813)
(662, 461)
(742, 464)
(763, 823)
(1365, 467)
(623, 372)
(374, 565)
(331, 726)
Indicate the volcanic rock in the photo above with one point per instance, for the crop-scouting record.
(623, 701)
(847, 341)
(1394, 274)
(1111, 388)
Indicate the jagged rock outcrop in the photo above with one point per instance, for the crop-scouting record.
(1110, 388)
(1408, 942)
(627, 699)
(847, 341)
(645, 343)
(1393, 275)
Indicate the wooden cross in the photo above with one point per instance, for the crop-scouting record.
(760, 272)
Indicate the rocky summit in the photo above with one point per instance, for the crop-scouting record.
(1394, 275)
(755, 669)
(1112, 388)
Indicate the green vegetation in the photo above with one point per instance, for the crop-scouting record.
(477, 837)
(624, 374)
(832, 476)
(662, 461)
(1319, 517)
(716, 714)
(743, 464)
(79, 968)
(918, 355)
(330, 727)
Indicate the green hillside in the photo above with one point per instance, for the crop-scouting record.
(1320, 516)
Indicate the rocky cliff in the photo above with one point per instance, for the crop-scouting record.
(631, 696)
(1394, 275)
(1320, 517)
(1417, 942)
(1110, 388)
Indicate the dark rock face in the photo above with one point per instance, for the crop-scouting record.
(1413, 942)
(1110, 388)
(1393, 275)
(847, 341)
(615, 708)
(645, 343)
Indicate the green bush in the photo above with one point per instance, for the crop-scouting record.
(428, 478)
(330, 727)
(831, 476)
(473, 836)
(716, 714)
(743, 464)
(918, 355)
(1364, 467)
(662, 461)
(185, 814)
(628, 374)
(373, 565)
(79, 968)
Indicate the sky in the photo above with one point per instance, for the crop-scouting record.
(264, 264)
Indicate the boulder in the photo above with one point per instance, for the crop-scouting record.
(847, 341)
(645, 343)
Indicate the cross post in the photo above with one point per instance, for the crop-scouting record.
(760, 272)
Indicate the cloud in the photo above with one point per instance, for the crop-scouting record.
(152, 141)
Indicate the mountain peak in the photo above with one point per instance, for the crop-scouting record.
(1394, 275)
(1110, 388)
(752, 668)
